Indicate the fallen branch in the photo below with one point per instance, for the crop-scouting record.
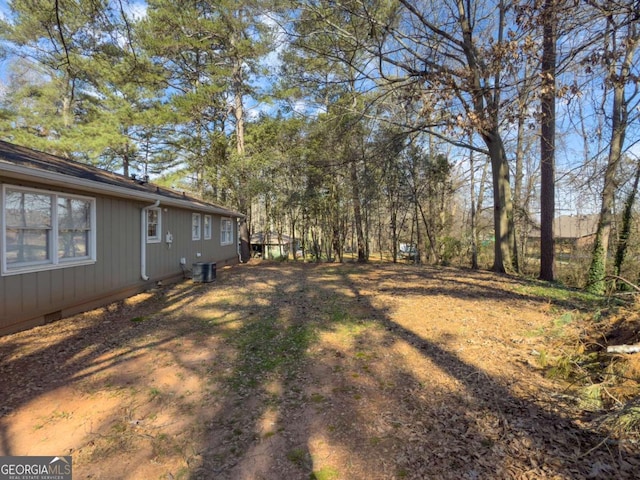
(623, 349)
(623, 280)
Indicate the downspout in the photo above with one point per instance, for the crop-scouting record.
(143, 240)
(238, 240)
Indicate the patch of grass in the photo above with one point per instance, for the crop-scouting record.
(627, 421)
(591, 397)
(562, 368)
(269, 346)
(403, 473)
(564, 319)
(576, 365)
(163, 445)
(337, 314)
(325, 473)
(538, 332)
(366, 356)
(317, 398)
(139, 319)
(560, 295)
(349, 328)
(58, 415)
(182, 474)
(556, 330)
(543, 359)
(153, 393)
(119, 440)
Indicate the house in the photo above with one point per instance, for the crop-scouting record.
(74, 237)
(576, 230)
(271, 245)
(571, 232)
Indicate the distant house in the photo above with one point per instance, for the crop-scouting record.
(271, 245)
(574, 231)
(74, 237)
(577, 230)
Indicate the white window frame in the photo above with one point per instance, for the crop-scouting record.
(226, 231)
(196, 226)
(157, 238)
(54, 260)
(207, 227)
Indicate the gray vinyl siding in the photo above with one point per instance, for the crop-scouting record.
(163, 260)
(118, 244)
(24, 297)
(117, 267)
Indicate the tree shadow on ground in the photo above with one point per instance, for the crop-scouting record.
(38, 361)
(303, 373)
(468, 283)
(298, 406)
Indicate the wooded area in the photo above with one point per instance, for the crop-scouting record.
(356, 127)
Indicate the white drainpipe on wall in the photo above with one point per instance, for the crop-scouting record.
(238, 240)
(143, 240)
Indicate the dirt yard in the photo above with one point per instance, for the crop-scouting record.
(299, 371)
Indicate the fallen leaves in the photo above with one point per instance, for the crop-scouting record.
(310, 371)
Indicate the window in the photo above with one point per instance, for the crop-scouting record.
(154, 228)
(195, 226)
(226, 231)
(207, 227)
(74, 228)
(44, 230)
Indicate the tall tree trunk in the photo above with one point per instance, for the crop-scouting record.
(480, 198)
(394, 234)
(417, 255)
(619, 114)
(625, 231)
(486, 104)
(474, 221)
(238, 106)
(502, 205)
(243, 200)
(430, 236)
(518, 207)
(547, 142)
(598, 266)
(357, 211)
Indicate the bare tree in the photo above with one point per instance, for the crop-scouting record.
(547, 140)
(621, 42)
(458, 57)
(627, 216)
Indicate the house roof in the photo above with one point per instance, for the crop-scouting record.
(270, 238)
(571, 226)
(575, 226)
(26, 164)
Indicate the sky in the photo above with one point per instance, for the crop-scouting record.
(569, 146)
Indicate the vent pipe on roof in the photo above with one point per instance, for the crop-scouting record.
(143, 240)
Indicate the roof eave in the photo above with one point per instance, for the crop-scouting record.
(61, 180)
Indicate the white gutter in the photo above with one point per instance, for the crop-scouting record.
(143, 240)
